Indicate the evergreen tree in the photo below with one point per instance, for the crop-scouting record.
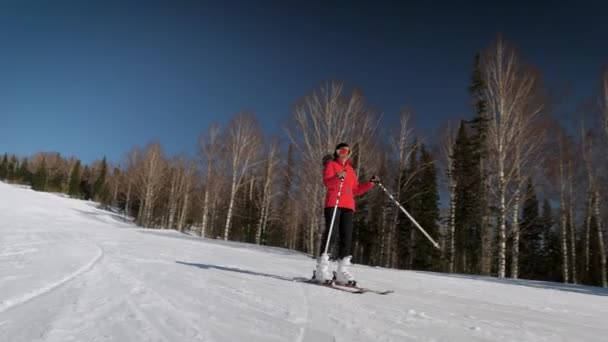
(480, 174)
(13, 166)
(531, 240)
(467, 233)
(426, 256)
(74, 186)
(85, 184)
(24, 173)
(4, 167)
(100, 186)
(40, 179)
(551, 245)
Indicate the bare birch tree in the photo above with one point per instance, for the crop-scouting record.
(509, 91)
(594, 201)
(132, 162)
(405, 147)
(267, 194)
(448, 139)
(600, 237)
(243, 139)
(210, 150)
(572, 224)
(186, 187)
(149, 181)
(597, 194)
(175, 173)
(526, 157)
(562, 214)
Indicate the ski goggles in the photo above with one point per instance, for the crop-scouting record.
(344, 151)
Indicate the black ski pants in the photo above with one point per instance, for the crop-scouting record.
(343, 225)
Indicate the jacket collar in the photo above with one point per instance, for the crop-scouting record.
(347, 162)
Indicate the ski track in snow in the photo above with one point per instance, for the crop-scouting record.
(71, 272)
(12, 302)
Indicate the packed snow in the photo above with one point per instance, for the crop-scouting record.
(72, 272)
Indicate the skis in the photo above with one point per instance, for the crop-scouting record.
(364, 289)
(344, 288)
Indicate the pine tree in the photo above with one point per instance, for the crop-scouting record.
(531, 253)
(426, 209)
(467, 233)
(551, 245)
(481, 173)
(74, 186)
(13, 167)
(100, 187)
(40, 179)
(4, 167)
(24, 173)
(85, 184)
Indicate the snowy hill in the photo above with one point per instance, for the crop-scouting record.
(71, 272)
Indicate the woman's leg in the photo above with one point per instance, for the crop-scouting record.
(346, 233)
(328, 215)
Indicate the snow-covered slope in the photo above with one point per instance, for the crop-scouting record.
(70, 272)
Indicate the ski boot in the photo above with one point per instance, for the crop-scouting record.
(342, 276)
(321, 274)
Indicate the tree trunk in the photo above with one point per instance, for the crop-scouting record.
(486, 235)
(65, 187)
(516, 233)
(600, 237)
(213, 215)
(230, 206)
(265, 197)
(265, 216)
(452, 226)
(311, 236)
(412, 248)
(383, 241)
(185, 205)
(128, 200)
(258, 229)
(206, 201)
(562, 213)
(141, 212)
(572, 226)
(173, 199)
(589, 213)
(115, 193)
(590, 197)
(515, 223)
(502, 238)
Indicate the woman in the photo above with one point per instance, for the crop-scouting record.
(336, 171)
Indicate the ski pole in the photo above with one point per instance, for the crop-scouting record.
(409, 216)
(333, 217)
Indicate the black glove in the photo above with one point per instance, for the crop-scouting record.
(375, 179)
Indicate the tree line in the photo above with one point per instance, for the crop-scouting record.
(510, 191)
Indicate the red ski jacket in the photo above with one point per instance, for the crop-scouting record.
(350, 188)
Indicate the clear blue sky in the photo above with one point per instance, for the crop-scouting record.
(94, 78)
